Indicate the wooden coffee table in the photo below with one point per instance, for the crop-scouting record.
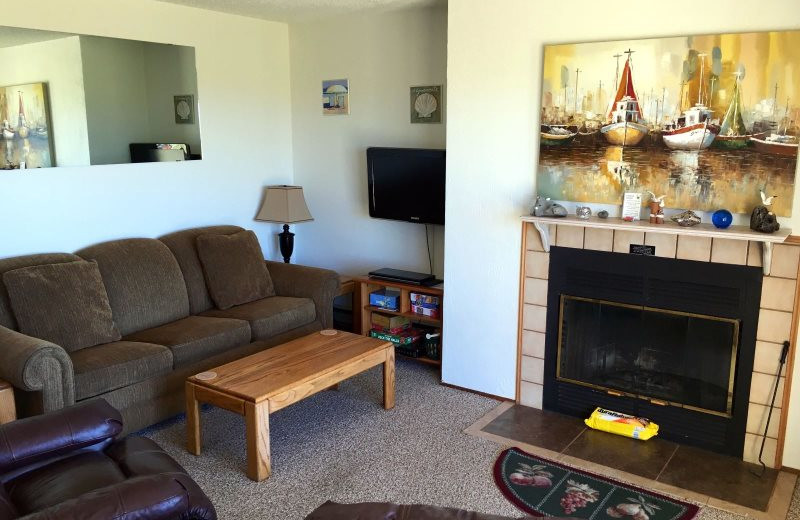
(258, 385)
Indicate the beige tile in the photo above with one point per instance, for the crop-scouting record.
(570, 236)
(784, 261)
(726, 251)
(754, 254)
(533, 240)
(536, 291)
(623, 240)
(781, 496)
(665, 245)
(598, 239)
(530, 394)
(778, 293)
(757, 420)
(532, 370)
(761, 388)
(534, 317)
(533, 343)
(694, 248)
(774, 326)
(767, 357)
(752, 445)
(537, 264)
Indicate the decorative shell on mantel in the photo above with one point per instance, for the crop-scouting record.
(425, 105)
(686, 219)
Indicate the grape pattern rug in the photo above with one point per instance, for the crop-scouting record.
(542, 487)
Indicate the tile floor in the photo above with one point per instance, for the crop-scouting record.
(705, 476)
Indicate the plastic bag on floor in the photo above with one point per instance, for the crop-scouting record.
(622, 424)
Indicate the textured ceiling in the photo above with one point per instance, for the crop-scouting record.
(300, 10)
(13, 36)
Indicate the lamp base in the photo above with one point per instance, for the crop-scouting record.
(286, 242)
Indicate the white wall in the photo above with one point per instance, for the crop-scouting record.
(57, 63)
(382, 54)
(494, 74)
(241, 63)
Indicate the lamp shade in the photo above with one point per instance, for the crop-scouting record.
(284, 204)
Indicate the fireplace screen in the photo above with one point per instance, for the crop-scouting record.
(666, 356)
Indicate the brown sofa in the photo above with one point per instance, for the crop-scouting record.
(66, 465)
(169, 325)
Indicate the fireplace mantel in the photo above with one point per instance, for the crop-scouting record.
(542, 225)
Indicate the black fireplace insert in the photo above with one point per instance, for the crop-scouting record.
(670, 340)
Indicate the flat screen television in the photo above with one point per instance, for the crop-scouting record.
(406, 184)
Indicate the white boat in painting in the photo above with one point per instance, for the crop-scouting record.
(693, 130)
(8, 132)
(625, 122)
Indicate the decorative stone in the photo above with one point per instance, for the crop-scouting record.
(686, 219)
(602, 214)
(763, 220)
(548, 208)
(583, 212)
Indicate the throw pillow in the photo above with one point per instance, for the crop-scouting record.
(234, 268)
(65, 304)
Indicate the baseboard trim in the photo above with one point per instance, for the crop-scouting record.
(484, 394)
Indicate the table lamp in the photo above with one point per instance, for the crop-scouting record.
(285, 205)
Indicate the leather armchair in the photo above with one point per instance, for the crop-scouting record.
(66, 465)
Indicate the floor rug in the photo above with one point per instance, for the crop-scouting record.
(542, 487)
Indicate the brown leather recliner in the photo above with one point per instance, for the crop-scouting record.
(66, 465)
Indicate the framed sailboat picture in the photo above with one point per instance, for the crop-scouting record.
(25, 140)
(709, 120)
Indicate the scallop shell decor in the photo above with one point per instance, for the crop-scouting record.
(425, 105)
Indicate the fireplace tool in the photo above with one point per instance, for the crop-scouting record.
(782, 361)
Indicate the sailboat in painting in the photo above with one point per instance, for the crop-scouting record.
(733, 133)
(694, 129)
(625, 122)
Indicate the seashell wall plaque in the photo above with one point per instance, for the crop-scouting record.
(426, 104)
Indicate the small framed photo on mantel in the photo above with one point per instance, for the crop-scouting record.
(631, 206)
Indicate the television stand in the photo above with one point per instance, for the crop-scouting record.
(362, 310)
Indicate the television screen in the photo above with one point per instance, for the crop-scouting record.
(406, 184)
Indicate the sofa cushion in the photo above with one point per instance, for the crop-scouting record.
(144, 283)
(7, 319)
(183, 245)
(271, 316)
(110, 366)
(64, 303)
(63, 480)
(234, 268)
(196, 338)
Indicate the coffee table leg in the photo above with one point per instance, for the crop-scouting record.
(259, 465)
(193, 439)
(388, 379)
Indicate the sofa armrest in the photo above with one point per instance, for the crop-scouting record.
(43, 437)
(35, 365)
(154, 497)
(321, 285)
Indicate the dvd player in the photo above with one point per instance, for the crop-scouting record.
(397, 275)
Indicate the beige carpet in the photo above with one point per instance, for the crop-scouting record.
(343, 446)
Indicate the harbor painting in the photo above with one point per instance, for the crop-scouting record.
(708, 120)
(24, 123)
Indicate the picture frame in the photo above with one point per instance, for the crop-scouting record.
(631, 205)
(336, 97)
(426, 104)
(184, 109)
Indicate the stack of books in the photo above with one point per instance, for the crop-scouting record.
(426, 305)
(397, 329)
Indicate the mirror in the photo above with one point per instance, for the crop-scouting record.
(77, 100)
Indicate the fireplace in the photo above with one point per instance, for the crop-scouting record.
(671, 340)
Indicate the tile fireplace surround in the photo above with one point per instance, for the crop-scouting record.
(776, 317)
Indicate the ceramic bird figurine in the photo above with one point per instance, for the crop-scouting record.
(767, 201)
(660, 199)
(656, 208)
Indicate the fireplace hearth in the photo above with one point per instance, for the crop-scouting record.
(671, 340)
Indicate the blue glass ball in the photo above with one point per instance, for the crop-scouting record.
(722, 218)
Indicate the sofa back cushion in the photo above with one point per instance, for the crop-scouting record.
(234, 268)
(183, 245)
(64, 303)
(7, 318)
(144, 283)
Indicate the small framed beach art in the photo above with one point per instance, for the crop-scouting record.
(335, 97)
(26, 139)
(709, 120)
